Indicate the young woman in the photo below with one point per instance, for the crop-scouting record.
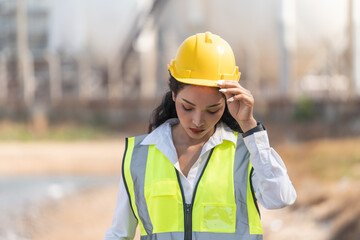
(206, 161)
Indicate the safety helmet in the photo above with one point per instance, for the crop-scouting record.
(203, 59)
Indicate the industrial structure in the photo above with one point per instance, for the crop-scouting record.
(80, 54)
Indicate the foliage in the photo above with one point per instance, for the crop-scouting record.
(304, 109)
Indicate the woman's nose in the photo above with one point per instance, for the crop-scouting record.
(197, 119)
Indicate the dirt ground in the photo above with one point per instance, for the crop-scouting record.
(327, 207)
(49, 158)
(82, 216)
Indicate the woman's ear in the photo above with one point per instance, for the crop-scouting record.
(173, 95)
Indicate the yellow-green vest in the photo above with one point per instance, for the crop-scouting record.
(223, 206)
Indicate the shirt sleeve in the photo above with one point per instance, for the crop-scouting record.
(124, 222)
(270, 180)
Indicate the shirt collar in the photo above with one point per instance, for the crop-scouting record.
(163, 133)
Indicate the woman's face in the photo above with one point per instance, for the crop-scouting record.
(199, 109)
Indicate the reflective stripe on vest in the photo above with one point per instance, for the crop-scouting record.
(223, 204)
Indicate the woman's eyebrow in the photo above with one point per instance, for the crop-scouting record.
(214, 105)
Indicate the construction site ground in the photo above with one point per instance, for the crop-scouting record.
(325, 173)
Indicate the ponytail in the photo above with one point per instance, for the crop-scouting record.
(163, 112)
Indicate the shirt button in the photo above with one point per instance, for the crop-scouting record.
(258, 141)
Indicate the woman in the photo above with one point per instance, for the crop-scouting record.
(206, 161)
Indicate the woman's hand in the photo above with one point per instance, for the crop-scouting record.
(240, 103)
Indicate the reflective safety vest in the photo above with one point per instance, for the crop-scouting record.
(223, 206)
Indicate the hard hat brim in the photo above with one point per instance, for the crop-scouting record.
(199, 82)
(204, 82)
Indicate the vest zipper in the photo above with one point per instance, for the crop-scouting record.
(189, 207)
(187, 212)
(188, 222)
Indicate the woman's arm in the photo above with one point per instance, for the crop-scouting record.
(270, 180)
(271, 183)
(124, 222)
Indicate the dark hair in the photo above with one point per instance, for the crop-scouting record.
(167, 110)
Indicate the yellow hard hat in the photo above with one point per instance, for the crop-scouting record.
(203, 59)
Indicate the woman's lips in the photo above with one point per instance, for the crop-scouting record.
(196, 130)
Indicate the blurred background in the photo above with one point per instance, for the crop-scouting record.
(78, 76)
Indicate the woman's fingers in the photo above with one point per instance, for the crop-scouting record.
(224, 83)
(230, 86)
(243, 97)
(227, 83)
(235, 91)
(237, 94)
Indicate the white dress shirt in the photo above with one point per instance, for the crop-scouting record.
(271, 183)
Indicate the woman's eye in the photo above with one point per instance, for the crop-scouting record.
(186, 109)
(213, 112)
